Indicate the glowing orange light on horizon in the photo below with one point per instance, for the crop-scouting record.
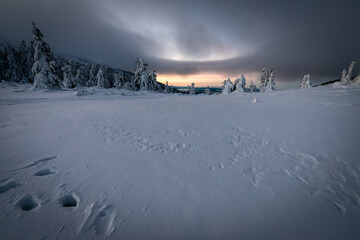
(203, 79)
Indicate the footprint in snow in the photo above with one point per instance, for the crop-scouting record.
(44, 172)
(9, 185)
(69, 200)
(99, 220)
(28, 203)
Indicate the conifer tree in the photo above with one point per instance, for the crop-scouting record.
(118, 79)
(306, 83)
(13, 71)
(192, 89)
(207, 91)
(270, 86)
(227, 86)
(263, 79)
(92, 79)
(350, 71)
(44, 77)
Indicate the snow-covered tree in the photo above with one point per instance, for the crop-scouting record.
(118, 79)
(167, 88)
(154, 84)
(92, 76)
(145, 83)
(207, 91)
(102, 81)
(2, 65)
(270, 86)
(13, 72)
(68, 81)
(263, 79)
(306, 83)
(26, 61)
(357, 79)
(141, 77)
(192, 89)
(79, 78)
(227, 86)
(350, 71)
(243, 82)
(44, 77)
(343, 76)
(252, 87)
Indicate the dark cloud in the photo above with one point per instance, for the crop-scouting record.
(293, 37)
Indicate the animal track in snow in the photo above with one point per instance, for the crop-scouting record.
(9, 185)
(28, 203)
(69, 200)
(44, 172)
(99, 220)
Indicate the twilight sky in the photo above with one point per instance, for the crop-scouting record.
(201, 41)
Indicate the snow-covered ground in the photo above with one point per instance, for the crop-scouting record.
(136, 165)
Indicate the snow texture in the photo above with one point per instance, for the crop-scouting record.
(119, 164)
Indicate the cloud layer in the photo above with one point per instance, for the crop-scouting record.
(190, 37)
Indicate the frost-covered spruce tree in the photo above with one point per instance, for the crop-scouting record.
(13, 72)
(252, 87)
(2, 65)
(227, 86)
(237, 85)
(350, 71)
(207, 91)
(154, 83)
(92, 79)
(44, 77)
(118, 79)
(167, 88)
(145, 81)
(357, 78)
(101, 80)
(270, 86)
(141, 78)
(192, 89)
(263, 79)
(80, 79)
(243, 82)
(306, 83)
(26, 61)
(343, 76)
(68, 81)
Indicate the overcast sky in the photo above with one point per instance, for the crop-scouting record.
(223, 38)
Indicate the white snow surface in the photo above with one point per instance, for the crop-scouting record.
(115, 164)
